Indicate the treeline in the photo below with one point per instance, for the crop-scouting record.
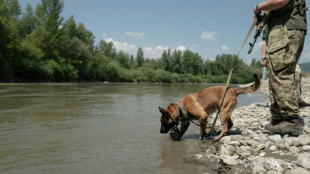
(39, 45)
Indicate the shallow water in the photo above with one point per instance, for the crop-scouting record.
(93, 128)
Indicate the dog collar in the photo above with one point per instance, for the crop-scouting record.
(180, 111)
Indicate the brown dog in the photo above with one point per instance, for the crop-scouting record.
(200, 105)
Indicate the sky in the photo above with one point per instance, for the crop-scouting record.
(208, 27)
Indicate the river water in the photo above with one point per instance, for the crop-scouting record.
(78, 128)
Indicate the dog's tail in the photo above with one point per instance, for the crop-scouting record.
(251, 88)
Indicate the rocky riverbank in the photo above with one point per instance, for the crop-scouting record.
(249, 148)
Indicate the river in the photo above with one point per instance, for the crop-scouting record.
(78, 128)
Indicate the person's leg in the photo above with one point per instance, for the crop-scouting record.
(282, 53)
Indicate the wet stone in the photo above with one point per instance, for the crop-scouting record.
(211, 161)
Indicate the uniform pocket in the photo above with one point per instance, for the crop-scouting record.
(277, 52)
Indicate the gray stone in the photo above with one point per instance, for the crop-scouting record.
(265, 123)
(229, 160)
(227, 150)
(273, 147)
(281, 146)
(307, 122)
(250, 132)
(294, 149)
(305, 148)
(289, 141)
(252, 143)
(287, 146)
(304, 160)
(243, 142)
(257, 165)
(263, 138)
(295, 141)
(244, 153)
(247, 132)
(245, 148)
(307, 129)
(304, 139)
(280, 141)
(259, 147)
(234, 143)
(274, 138)
(225, 140)
(257, 138)
(239, 169)
(299, 170)
(274, 164)
(273, 172)
(236, 137)
(255, 124)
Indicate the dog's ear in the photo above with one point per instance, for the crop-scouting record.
(163, 111)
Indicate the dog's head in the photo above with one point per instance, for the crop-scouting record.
(168, 118)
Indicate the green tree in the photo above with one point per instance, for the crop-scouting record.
(123, 59)
(176, 61)
(139, 58)
(132, 61)
(9, 39)
(103, 68)
(167, 61)
(192, 63)
(107, 49)
(28, 22)
(49, 18)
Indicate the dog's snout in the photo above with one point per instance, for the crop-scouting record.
(163, 130)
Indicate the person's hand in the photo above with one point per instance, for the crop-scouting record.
(263, 62)
(256, 10)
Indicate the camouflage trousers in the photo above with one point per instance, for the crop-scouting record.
(298, 85)
(283, 52)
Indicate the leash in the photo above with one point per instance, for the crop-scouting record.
(185, 115)
(230, 73)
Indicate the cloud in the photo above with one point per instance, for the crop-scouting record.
(208, 35)
(225, 48)
(149, 52)
(154, 52)
(135, 35)
(124, 46)
(181, 48)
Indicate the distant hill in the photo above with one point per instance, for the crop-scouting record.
(305, 67)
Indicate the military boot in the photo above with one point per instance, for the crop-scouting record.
(292, 126)
(303, 104)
